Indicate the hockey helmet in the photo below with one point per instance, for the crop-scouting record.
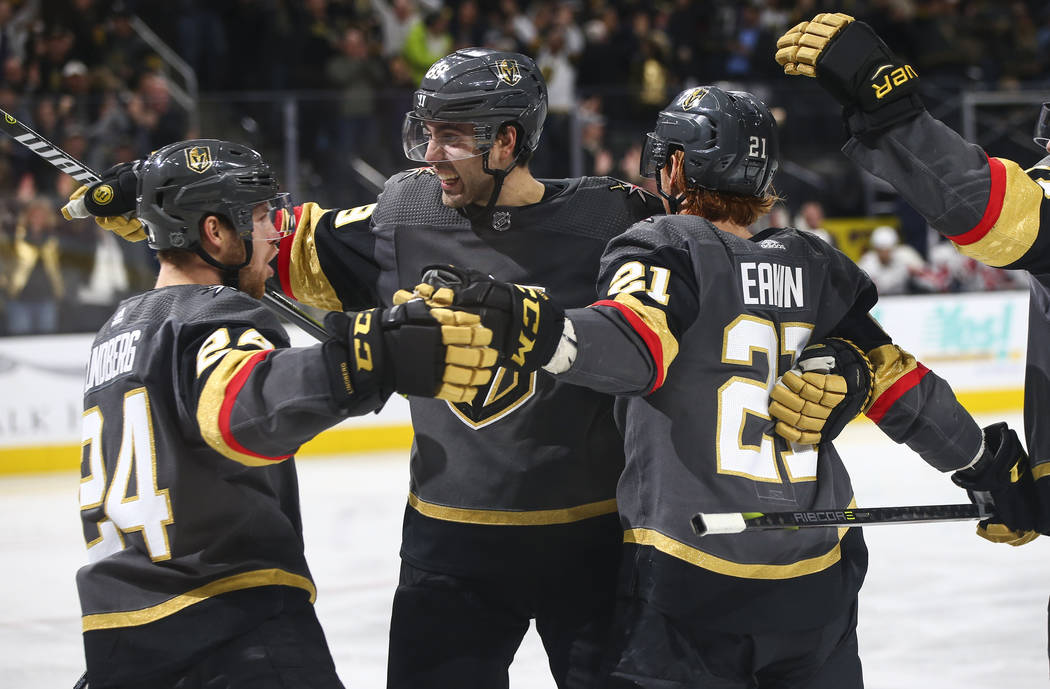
(478, 86)
(182, 183)
(1042, 127)
(729, 141)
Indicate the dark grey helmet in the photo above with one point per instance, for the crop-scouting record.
(729, 139)
(484, 87)
(183, 182)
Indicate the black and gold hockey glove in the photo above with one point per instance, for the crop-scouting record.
(1003, 477)
(876, 88)
(831, 383)
(526, 324)
(409, 348)
(111, 201)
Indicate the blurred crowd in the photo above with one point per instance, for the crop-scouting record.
(84, 74)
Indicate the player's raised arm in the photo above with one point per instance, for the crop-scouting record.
(991, 208)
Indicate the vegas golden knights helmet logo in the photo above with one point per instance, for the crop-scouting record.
(693, 98)
(198, 158)
(507, 71)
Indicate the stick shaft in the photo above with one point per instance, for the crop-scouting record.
(46, 150)
(736, 522)
(285, 306)
(82, 173)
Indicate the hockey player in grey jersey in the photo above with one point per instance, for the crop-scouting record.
(696, 319)
(990, 208)
(194, 405)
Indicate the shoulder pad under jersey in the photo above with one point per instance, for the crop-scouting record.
(600, 207)
(227, 306)
(413, 197)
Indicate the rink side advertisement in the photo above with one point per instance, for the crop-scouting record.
(974, 341)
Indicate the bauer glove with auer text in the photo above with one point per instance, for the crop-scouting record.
(526, 324)
(830, 384)
(875, 87)
(409, 348)
(111, 201)
(1002, 477)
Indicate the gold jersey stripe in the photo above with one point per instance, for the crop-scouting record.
(1018, 225)
(891, 363)
(210, 404)
(237, 582)
(512, 518)
(656, 319)
(305, 276)
(726, 567)
(1041, 470)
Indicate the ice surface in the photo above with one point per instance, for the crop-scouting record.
(941, 608)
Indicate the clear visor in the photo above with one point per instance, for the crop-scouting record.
(1042, 127)
(433, 140)
(654, 155)
(281, 213)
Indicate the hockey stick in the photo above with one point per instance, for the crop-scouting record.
(705, 524)
(275, 300)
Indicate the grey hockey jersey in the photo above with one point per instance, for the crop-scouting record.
(721, 318)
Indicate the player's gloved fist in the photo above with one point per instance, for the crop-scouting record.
(830, 384)
(526, 324)
(876, 88)
(412, 349)
(799, 48)
(111, 201)
(1002, 479)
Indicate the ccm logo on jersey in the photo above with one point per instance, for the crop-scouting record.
(772, 284)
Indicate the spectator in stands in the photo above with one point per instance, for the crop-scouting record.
(396, 19)
(810, 218)
(951, 271)
(75, 104)
(123, 52)
(51, 53)
(750, 46)
(357, 74)
(892, 266)
(427, 41)
(467, 28)
(159, 121)
(35, 286)
(557, 65)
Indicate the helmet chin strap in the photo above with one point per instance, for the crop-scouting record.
(230, 274)
(474, 212)
(672, 201)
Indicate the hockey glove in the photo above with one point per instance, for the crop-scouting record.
(411, 349)
(876, 88)
(526, 324)
(831, 383)
(111, 201)
(1002, 477)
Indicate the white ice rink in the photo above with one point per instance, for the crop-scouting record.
(941, 608)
